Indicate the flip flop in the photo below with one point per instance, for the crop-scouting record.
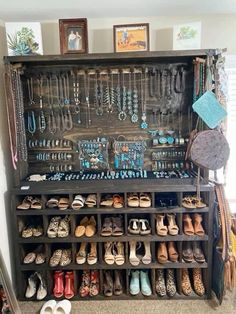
(78, 202)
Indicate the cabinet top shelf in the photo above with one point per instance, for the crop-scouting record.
(112, 57)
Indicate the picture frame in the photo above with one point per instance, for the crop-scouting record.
(73, 36)
(187, 36)
(131, 37)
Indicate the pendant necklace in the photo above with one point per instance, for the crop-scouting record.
(118, 94)
(31, 116)
(42, 119)
(86, 91)
(144, 124)
(122, 114)
(134, 117)
(97, 96)
(112, 94)
(76, 96)
(51, 118)
(67, 115)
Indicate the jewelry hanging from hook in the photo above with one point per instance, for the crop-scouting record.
(87, 102)
(51, 118)
(122, 115)
(41, 118)
(134, 117)
(67, 114)
(144, 124)
(76, 92)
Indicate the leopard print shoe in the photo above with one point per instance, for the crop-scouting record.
(170, 282)
(160, 283)
(185, 283)
(197, 282)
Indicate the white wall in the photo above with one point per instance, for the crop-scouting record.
(217, 31)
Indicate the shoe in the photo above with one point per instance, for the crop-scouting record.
(134, 226)
(69, 285)
(42, 290)
(133, 200)
(62, 307)
(170, 282)
(80, 230)
(144, 200)
(161, 229)
(53, 227)
(172, 252)
(187, 252)
(58, 289)
(48, 307)
(144, 227)
(29, 258)
(90, 229)
(118, 288)
(66, 257)
(188, 226)
(82, 253)
(147, 258)
(173, 229)
(160, 283)
(109, 258)
(94, 283)
(40, 259)
(31, 288)
(198, 229)
(92, 255)
(119, 253)
(134, 286)
(63, 203)
(107, 227)
(64, 227)
(55, 258)
(145, 283)
(117, 226)
(85, 284)
(197, 252)
(197, 282)
(162, 255)
(91, 200)
(133, 259)
(108, 283)
(185, 282)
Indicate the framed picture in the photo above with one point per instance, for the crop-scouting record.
(131, 37)
(24, 38)
(73, 36)
(187, 36)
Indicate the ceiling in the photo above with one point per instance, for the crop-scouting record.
(31, 10)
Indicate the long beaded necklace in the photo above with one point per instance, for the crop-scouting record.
(51, 118)
(134, 117)
(118, 94)
(112, 95)
(122, 115)
(144, 124)
(60, 116)
(31, 116)
(76, 88)
(42, 119)
(67, 115)
(129, 97)
(86, 91)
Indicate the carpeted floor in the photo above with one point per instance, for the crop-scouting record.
(141, 307)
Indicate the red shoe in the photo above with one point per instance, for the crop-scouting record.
(94, 283)
(85, 284)
(58, 290)
(69, 288)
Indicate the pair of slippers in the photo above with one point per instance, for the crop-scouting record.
(52, 307)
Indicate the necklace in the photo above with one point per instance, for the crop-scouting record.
(118, 94)
(31, 116)
(67, 114)
(144, 124)
(122, 115)
(98, 96)
(134, 117)
(60, 117)
(30, 85)
(86, 91)
(51, 118)
(42, 119)
(112, 95)
(76, 96)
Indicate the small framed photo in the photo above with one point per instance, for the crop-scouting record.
(73, 36)
(131, 37)
(187, 36)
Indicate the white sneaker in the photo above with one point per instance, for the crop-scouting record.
(62, 307)
(48, 307)
(31, 288)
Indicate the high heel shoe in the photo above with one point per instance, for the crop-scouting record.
(147, 258)
(58, 289)
(108, 283)
(69, 286)
(162, 256)
(133, 259)
(81, 255)
(94, 283)
(172, 252)
(161, 229)
(197, 282)
(85, 284)
(170, 282)
(92, 255)
(185, 282)
(173, 229)
(109, 258)
(188, 226)
(198, 229)
(118, 252)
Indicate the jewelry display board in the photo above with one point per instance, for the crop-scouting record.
(106, 135)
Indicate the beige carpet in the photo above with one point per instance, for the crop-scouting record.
(144, 307)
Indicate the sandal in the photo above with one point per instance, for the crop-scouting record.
(64, 227)
(53, 202)
(185, 282)
(162, 255)
(66, 257)
(198, 229)
(109, 258)
(94, 283)
(85, 284)
(81, 255)
(133, 200)
(107, 201)
(188, 226)
(161, 229)
(29, 258)
(108, 284)
(92, 255)
(55, 258)
(118, 252)
(80, 230)
(36, 203)
(118, 201)
(117, 226)
(78, 202)
(91, 200)
(144, 227)
(172, 252)
(187, 202)
(145, 200)
(107, 227)
(134, 226)
(63, 203)
(147, 258)
(198, 202)
(26, 203)
(37, 231)
(90, 229)
(53, 227)
(133, 259)
(187, 252)
(197, 252)
(172, 227)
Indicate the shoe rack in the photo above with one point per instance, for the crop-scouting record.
(57, 155)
